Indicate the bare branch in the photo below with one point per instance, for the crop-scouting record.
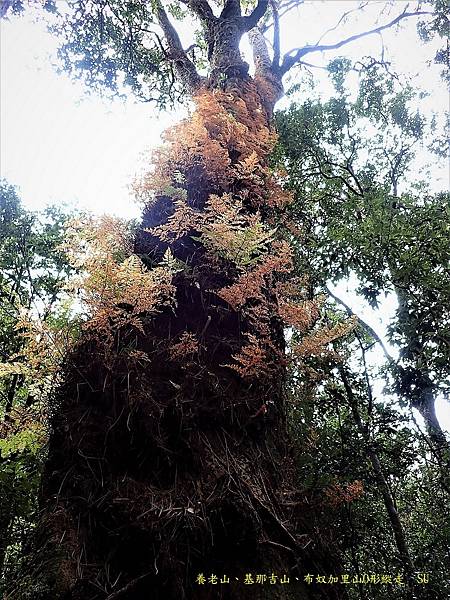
(184, 67)
(308, 64)
(342, 19)
(276, 35)
(201, 8)
(250, 21)
(191, 48)
(158, 39)
(289, 61)
(283, 9)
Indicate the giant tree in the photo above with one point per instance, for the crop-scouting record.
(168, 459)
(357, 221)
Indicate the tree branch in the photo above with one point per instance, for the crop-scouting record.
(261, 56)
(289, 61)
(128, 588)
(308, 64)
(383, 484)
(202, 9)
(342, 19)
(363, 324)
(185, 68)
(276, 35)
(283, 8)
(251, 20)
(232, 8)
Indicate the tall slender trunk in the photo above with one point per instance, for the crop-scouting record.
(415, 380)
(383, 486)
(175, 464)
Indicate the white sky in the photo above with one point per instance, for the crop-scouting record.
(60, 146)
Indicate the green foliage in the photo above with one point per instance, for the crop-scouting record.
(332, 453)
(32, 267)
(29, 440)
(115, 47)
(348, 161)
(243, 243)
(439, 26)
(32, 272)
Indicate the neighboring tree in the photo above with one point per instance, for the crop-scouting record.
(355, 220)
(359, 456)
(169, 462)
(32, 271)
(438, 26)
(347, 160)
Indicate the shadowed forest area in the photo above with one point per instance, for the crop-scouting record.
(193, 404)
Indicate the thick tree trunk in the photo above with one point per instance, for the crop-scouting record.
(176, 464)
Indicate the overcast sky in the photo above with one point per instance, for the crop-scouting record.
(61, 146)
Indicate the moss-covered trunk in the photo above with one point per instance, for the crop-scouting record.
(169, 460)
